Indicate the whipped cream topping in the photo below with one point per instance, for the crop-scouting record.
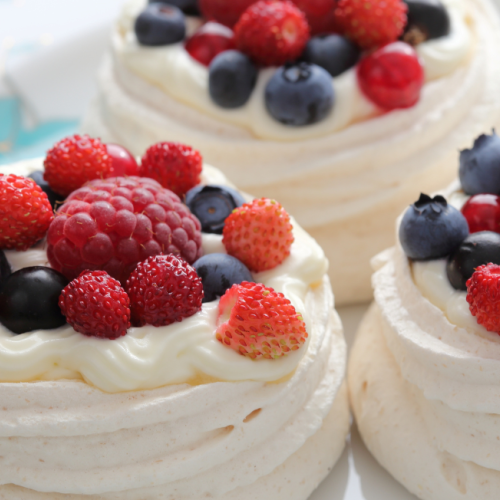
(150, 357)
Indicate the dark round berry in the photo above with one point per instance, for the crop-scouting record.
(29, 300)
(5, 270)
(219, 272)
(432, 229)
(160, 24)
(479, 170)
(232, 77)
(427, 19)
(189, 7)
(212, 205)
(476, 250)
(300, 94)
(54, 198)
(334, 53)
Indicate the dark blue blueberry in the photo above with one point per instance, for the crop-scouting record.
(232, 77)
(53, 197)
(219, 272)
(427, 19)
(160, 24)
(5, 270)
(189, 7)
(476, 250)
(432, 229)
(29, 300)
(479, 170)
(212, 205)
(334, 53)
(300, 94)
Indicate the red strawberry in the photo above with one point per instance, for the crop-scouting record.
(483, 296)
(75, 160)
(259, 234)
(371, 23)
(272, 32)
(175, 166)
(262, 322)
(224, 11)
(164, 289)
(320, 14)
(25, 212)
(96, 305)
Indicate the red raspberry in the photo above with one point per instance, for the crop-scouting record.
(25, 212)
(483, 296)
(392, 77)
(272, 32)
(116, 223)
(175, 166)
(259, 234)
(96, 305)
(262, 322)
(224, 12)
(209, 41)
(371, 23)
(75, 160)
(163, 290)
(482, 212)
(320, 14)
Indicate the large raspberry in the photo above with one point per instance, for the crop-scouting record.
(25, 212)
(258, 322)
(113, 224)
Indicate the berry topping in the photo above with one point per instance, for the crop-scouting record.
(212, 205)
(483, 296)
(272, 33)
(5, 270)
(371, 23)
(259, 234)
(96, 305)
(75, 160)
(122, 161)
(259, 323)
(479, 170)
(115, 223)
(175, 166)
(209, 41)
(482, 212)
(163, 290)
(392, 76)
(189, 7)
(334, 53)
(431, 229)
(224, 11)
(25, 212)
(232, 79)
(476, 250)
(53, 197)
(300, 95)
(427, 19)
(320, 14)
(219, 272)
(160, 24)
(29, 300)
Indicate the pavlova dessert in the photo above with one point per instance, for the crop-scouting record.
(424, 371)
(162, 335)
(338, 109)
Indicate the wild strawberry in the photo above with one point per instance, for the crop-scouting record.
(224, 12)
(259, 234)
(258, 322)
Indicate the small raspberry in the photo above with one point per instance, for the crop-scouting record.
(371, 23)
(96, 305)
(163, 290)
(259, 234)
(75, 160)
(113, 224)
(175, 166)
(272, 33)
(483, 296)
(25, 212)
(262, 322)
(222, 11)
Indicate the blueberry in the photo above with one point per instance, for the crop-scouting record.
(54, 198)
(29, 300)
(334, 53)
(300, 94)
(5, 270)
(432, 229)
(160, 24)
(479, 170)
(427, 19)
(189, 7)
(219, 272)
(212, 205)
(476, 250)
(232, 77)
